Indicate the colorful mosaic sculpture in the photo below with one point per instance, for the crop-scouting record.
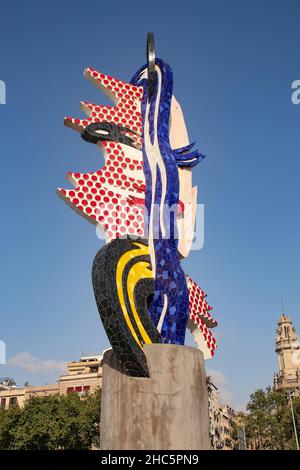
(144, 200)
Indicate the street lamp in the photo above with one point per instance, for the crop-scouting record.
(289, 395)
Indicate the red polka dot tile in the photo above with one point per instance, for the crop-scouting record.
(114, 195)
(200, 320)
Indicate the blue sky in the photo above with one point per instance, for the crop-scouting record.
(233, 65)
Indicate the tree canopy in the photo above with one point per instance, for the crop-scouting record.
(52, 423)
(269, 423)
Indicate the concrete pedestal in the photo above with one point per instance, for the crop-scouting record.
(168, 411)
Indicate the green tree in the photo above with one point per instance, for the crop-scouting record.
(54, 422)
(269, 421)
(9, 424)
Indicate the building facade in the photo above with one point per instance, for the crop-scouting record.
(221, 418)
(288, 354)
(214, 415)
(227, 420)
(83, 376)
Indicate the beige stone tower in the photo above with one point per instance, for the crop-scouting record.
(288, 353)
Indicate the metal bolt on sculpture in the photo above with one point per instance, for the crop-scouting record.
(144, 200)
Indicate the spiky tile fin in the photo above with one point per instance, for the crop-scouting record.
(125, 112)
(200, 321)
(198, 306)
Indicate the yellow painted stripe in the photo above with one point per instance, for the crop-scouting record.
(138, 271)
(125, 258)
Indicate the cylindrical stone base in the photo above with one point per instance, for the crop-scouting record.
(168, 411)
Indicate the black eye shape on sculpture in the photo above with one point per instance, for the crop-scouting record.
(98, 131)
